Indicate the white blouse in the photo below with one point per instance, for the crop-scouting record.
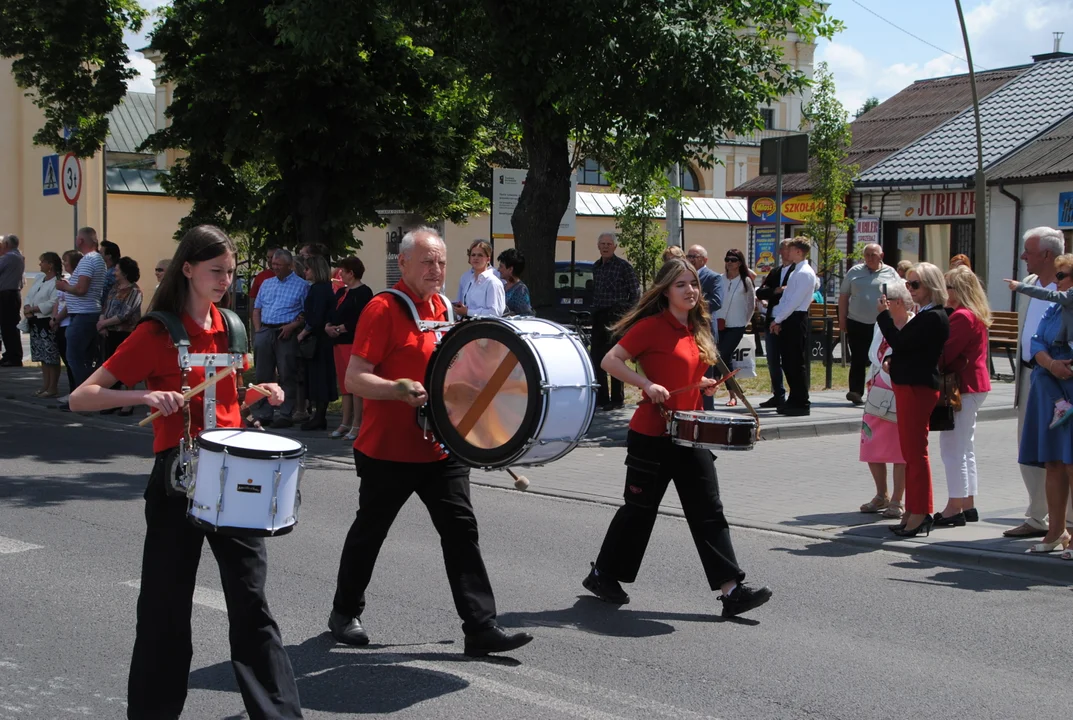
(738, 305)
(483, 294)
(43, 296)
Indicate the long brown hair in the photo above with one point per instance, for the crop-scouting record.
(654, 302)
(200, 243)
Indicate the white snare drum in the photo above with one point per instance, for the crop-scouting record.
(246, 482)
(711, 430)
(510, 391)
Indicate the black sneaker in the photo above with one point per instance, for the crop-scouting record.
(772, 402)
(742, 599)
(605, 588)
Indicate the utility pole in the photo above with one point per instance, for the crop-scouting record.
(673, 210)
(980, 239)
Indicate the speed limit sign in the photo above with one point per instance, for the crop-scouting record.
(71, 178)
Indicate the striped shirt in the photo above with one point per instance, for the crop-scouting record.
(92, 266)
(281, 301)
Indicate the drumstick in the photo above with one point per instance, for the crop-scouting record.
(487, 394)
(209, 381)
(696, 386)
(735, 388)
(257, 389)
(521, 482)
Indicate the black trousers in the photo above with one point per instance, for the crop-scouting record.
(651, 464)
(10, 312)
(793, 347)
(859, 336)
(160, 665)
(61, 345)
(602, 341)
(444, 489)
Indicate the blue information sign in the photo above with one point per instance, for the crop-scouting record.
(1065, 210)
(50, 175)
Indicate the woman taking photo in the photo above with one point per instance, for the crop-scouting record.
(511, 266)
(195, 282)
(349, 302)
(480, 292)
(880, 441)
(668, 333)
(40, 303)
(965, 354)
(320, 366)
(914, 375)
(739, 301)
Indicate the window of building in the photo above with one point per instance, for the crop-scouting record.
(768, 114)
(689, 181)
(591, 172)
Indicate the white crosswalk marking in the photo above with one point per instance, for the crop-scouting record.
(202, 596)
(9, 545)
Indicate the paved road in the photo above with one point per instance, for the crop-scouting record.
(850, 633)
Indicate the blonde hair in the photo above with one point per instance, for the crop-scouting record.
(932, 278)
(904, 267)
(672, 252)
(321, 271)
(654, 301)
(1065, 261)
(971, 293)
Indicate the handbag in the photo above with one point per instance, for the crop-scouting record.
(307, 347)
(950, 391)
(942, 418)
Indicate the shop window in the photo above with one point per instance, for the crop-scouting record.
(937, 245)
(591, 172)
(768, 116)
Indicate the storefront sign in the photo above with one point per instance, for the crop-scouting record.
(1065, 210)
(866, 230)
(795, 209)
(939, 206)
(764, 245)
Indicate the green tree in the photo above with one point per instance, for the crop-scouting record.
(669, 79)
(70, 56)
(869, 104)
(303, 118)
(830, 177)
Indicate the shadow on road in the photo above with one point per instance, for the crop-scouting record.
(36, 491)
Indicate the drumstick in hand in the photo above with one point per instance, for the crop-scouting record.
(210, 381)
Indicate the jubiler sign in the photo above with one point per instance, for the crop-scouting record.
(939, 206)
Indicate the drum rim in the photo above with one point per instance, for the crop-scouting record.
(250, 453)
(706, 416)
(535, 375)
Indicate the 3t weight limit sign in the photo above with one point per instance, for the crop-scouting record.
(71, 178)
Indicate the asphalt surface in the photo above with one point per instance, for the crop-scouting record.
(850, 633)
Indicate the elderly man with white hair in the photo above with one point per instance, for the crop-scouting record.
(861, 289)
(12, 267)
(614, 290)
(1042, 246)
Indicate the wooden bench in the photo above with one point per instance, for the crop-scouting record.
(1003, 338)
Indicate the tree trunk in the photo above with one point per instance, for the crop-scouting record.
(543, 201)
(305, 195)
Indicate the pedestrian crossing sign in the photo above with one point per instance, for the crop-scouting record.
(50, 175)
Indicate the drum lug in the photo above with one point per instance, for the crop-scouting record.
(223, 484)
(276, 476)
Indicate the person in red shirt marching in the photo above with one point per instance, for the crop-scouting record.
(396, 459)
(197, 278)
(669, 333)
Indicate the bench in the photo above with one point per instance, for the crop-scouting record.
(1003, 338)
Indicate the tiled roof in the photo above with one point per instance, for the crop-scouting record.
(1049, 155)
(131, 122)
(1011, 116)
(143, 182)
(898, 121)
(693, 208)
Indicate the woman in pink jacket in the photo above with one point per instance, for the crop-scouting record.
(965, 353)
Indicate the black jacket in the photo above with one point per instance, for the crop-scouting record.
(766, 291)
(917, 347)
(347, 312)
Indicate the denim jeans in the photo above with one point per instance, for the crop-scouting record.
(82, 345)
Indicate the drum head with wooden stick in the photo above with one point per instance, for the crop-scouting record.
(484, 385)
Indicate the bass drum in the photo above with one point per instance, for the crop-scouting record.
(510, 391)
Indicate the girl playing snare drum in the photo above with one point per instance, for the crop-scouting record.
(196, 280)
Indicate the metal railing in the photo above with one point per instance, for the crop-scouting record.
(755, 136)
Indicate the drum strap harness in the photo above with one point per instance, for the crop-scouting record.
(435, 326)
(234, 357)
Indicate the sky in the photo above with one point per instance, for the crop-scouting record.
(872, 58)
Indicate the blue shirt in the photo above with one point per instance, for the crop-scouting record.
(281, 301)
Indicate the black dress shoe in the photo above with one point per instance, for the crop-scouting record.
(605, 588)
(972, 515)
(10, 363)
(281, 423)
(957, 520)
(794, 411)
(743, 599)
(494, 640)
(315, 424)
(613, 406)
(772, 402)
(347, 629)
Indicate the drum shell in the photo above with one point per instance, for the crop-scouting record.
(713, 431)
(250, 502)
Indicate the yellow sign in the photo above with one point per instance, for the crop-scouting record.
(801, 206)
(763, 206)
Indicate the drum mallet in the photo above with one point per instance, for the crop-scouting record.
(521, 482)
(192, 392)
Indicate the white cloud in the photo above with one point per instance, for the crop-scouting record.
(146, 71)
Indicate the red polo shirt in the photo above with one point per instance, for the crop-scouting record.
(149, 356)
(258, 280)
(387, 337)
(668, 356)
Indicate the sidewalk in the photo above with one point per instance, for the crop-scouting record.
(800, 485)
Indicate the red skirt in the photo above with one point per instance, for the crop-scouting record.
(342, 359)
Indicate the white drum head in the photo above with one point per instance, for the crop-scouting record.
(249, 443)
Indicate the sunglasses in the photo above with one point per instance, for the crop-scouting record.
(1062, 275)
(913, 284)
(731, 259)
(159, 270)
(950, 287)
(692, 257)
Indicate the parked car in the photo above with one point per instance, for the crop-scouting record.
(582, 292)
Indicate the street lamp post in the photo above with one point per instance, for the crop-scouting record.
(980, 240)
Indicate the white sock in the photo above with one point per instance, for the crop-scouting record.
(731, 590)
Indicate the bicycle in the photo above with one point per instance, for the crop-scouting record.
(582, 324)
